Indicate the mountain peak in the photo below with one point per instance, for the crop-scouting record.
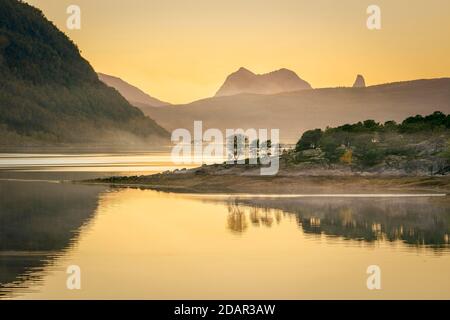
(284, 70)
(134, 95)
(243, 70)
(240, 74)
(245, 81)
(359, 82)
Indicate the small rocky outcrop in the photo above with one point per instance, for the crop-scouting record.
(359, 82)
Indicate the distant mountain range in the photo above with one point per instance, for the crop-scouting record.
(49, 94)
(298, 111)
(245, 81)
(134, 95)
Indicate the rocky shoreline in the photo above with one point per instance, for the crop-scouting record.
(290, 180)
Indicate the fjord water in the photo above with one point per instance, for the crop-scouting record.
(145, 244)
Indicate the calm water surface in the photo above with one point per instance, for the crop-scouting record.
(145, 244)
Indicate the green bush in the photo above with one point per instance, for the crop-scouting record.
(371, 142)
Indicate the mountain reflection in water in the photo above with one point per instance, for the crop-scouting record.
(38, 223)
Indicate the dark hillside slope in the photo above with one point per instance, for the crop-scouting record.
(50, 94)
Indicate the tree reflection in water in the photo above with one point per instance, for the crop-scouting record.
(239, 215)
(414, 221)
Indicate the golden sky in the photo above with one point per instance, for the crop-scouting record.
(180, 51)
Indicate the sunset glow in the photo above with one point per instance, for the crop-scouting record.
(180, 51)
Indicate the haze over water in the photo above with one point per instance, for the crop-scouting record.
(145, 244)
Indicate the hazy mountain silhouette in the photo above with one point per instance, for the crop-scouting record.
(295, 112)
(359, 82)
(50, 94)
(134, 95)
(245, 81)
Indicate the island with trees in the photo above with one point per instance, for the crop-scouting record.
(367, 156)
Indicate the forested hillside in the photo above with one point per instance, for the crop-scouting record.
(50, 94)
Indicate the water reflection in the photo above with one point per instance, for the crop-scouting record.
(157, 245)
(38, 223)
(414, 221)
(240, 216)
